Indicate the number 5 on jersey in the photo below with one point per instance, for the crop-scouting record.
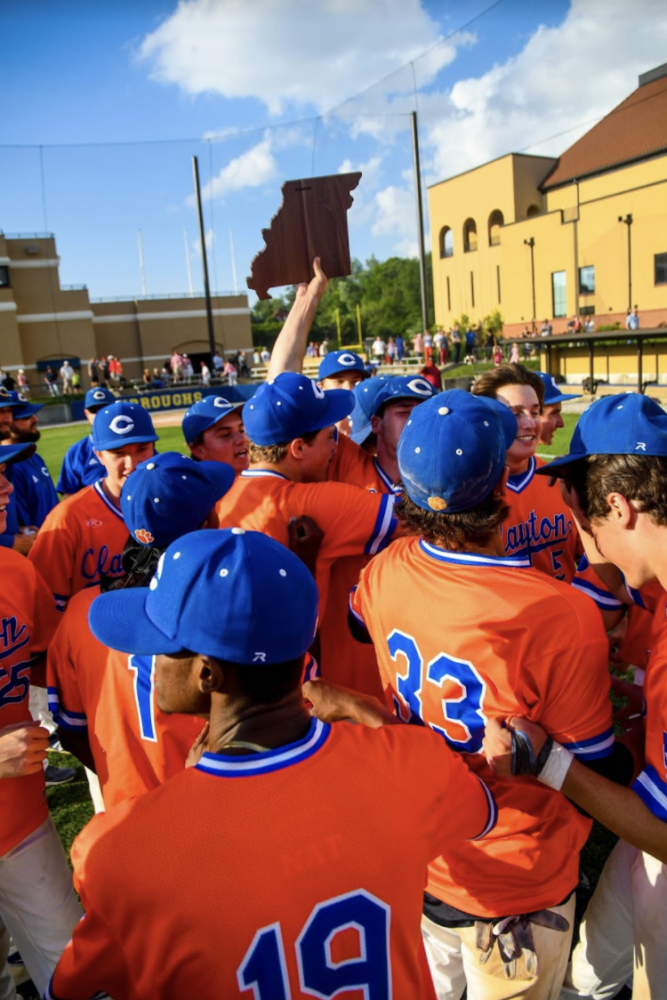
(264, 968)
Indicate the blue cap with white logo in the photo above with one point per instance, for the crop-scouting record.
(232, 594)
(204, 414)
(405, 387)
(365, 395)
(337, 362)
(628, 424)
(121, 424)
(21, 406)
(11, 453)
(97, 397)
(169, 495)
(452, 450)
(552, 392)
(291, 405)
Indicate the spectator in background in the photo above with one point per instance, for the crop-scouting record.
(546, 329)
(256, 357)
(66, 373)
(310, 350)
(146, 378)
(176, 365)
(229, 371)
(589, 325)
(205, 374)
(471, 342)
(443, 350)
(632, 320)
(418, 346)
(428, 347)
(400, 348)
(265, 356)
(243, 369)
(22, 382)
(497, 355)
(158, 381)
(324, 348)
(392, 351)
(165, 373)
(218, 363)
(489, 344)
(51, 380)
(76, 381)
(514, 354)
(93, 372)
(432, 374)
(103, 371)
(456, 342)
(188, 370)
(437, 342)
(378, 349)
(115, 370)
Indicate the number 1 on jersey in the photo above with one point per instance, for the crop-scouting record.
(143, 668)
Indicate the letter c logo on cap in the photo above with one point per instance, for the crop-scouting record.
(99, 394)
(347, 359)
(421, 386)
(122, 424)
(319, 393)
(220, 402)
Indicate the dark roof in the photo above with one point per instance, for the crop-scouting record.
(634, 130)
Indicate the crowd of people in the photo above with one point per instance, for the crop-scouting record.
(350, 549)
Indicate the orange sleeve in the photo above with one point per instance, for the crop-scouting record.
(92, 964)
(47, 618)
(354, 521)
(65, 702)
(52, 556)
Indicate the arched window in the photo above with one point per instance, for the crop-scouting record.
(496, 221)
(469, 235)
(446, 242)
(532, 211)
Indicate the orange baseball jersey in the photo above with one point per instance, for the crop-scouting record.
(81, 540)
(509, 641)
(110, 697)
(354, 521)
(343, 660)
(27, 622)
(540, 524)
(323, 900)
(651, 784)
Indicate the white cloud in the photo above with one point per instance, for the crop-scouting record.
(285, 52)
(209, 240)
(566, 75)
(253, 168)
(396, 215)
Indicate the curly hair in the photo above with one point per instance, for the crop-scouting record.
(639, 478)
(273, 454)
(476, 526)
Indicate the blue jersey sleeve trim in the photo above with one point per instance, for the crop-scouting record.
(73, 722)
(594, 748)
(652, 791)
(492, 817)
(604, 599)
(50, 995)
(355, 614)
(635, 596)
(385, 526)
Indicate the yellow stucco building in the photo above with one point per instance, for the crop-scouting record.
(42, 322)
(584, 234)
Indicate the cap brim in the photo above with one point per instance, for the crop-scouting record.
(119, 620)
(561, 398)
(25, 410)
(116, 444)
(9, 454)
(221, 416)
(360, 435)
(340, 403)
(558, 466)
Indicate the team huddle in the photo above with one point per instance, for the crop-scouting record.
(340, 682)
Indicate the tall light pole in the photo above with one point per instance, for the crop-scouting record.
(202, 242)
(420, 218)
(628, 222)
(531, 243)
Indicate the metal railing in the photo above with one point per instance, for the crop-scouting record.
(169, 295)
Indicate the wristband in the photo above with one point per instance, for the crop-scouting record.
(556, 767)
(639, 676)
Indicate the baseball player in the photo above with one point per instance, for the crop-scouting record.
(34, 493)
(342, 370)
(11, 537)
(551, 416)
(510, 635)
(320, 873)
(103, 700)
(38, 906)
(291, 425)
(614, 477)
(81, 466)
(540, 525)
(82, 539)
(351, 663)
(214, 432)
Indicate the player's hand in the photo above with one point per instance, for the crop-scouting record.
(23, 748)
(304, 539)
(327, 702)
(497, 747)
(317, 285)
(198, 747)
(23, 543)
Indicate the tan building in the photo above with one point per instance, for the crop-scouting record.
(585, 234)
(42, 321)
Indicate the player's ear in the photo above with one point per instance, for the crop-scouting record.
(376, 423)
(197, 451)
(297, 447)
(210, 675)
(621, 510)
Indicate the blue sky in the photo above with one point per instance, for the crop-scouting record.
(120, 95)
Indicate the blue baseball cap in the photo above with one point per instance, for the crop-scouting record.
(452, 450)
(290, 405)
(96, 398)
(628, 424)
(21, 406)
(233, 594)
(365, 394)
(11, 453)
(120, 424)
(552, 393)
(405, 387)
(169, 495)
(204, 414)
(341, 361)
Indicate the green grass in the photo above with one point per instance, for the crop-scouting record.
(54, 442)
(70, 804)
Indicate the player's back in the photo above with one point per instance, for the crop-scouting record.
(81, 540)
(461, 638)
(80, 467)
(110, 696)
(540, 524)
(294, 872)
